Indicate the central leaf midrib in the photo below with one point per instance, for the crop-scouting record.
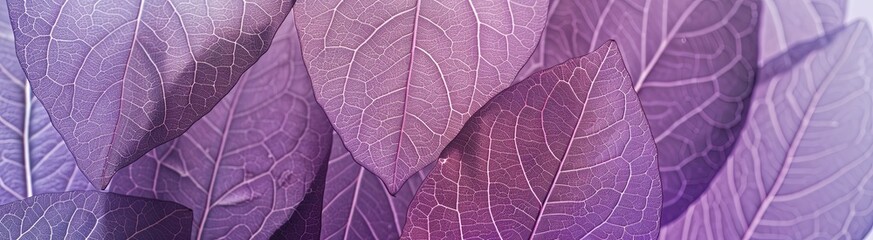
(417, 7)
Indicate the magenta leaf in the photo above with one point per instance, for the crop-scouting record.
(33, 157)
(247, 164)
(93, 215)
(693, 62)
(119, 78)
(802, 165)
(787, 22)
(399, 79)
(356, 200)
(564, 154)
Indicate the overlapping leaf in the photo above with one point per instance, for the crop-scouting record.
(565, 154)
(802, 167)
(245, 166)
(693, 62)
(119, 78)
(788, 22)
(33, 157)
(93, 215)
(398, 79)
(356, 200)
(306, 221)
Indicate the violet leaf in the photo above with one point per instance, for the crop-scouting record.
(802, 166)
(33, 157)
(788, 22)
(93, 215)
(399, 79)
(119, 78)
(356, 200)
(305, 222)
(564, 154)
(247, 164)
(693, 62)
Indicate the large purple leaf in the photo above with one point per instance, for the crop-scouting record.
(802, 167)
(33, 157)
(245, 166)
(564, 154)
(788, 22)
(305, 222)
(356, 200)
(121, 77)
(93, 215)
(693, 62)
(398, 79)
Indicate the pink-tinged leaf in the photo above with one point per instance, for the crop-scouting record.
(33, 157)
(356, 200)
(564, 154)
(802, 167)
(247, 164)
(398, 79)
(93, 215)
(788, 22)
(693, 63)
(121, 77)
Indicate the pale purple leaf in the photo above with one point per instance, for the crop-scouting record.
(93, 215)
(564, 154)
(305, 222)
(398, 79)
(693, 64)
(121, 77)
(802, 167)
(357, 205)
(247, 164)
(788, 22)
(33, 157)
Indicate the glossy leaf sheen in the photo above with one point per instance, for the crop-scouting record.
(802, 167)
(245, 166)
(33, 157)
(399, 78)
(564, 154)
(693, 62)
(119, 78)
(93, 215)
(356, 199)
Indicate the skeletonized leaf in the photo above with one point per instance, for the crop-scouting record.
(802, 167)
(356, 199)
(33, 157)
(564, 154)
(93, 215)
(119, 78)
(245, 166)
(788, 22)
(399, 78)
(693, 63)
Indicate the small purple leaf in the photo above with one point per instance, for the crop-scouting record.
(247, 164)
(121, 77)
(33, 157)
(693, 62)
(93, 215)
(802, 167)
(399, 79)
(564, 154)
(356, 199)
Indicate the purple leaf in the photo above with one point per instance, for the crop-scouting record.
(119, 78)
(245, 166)
(694, 65)
(788, 22)
(565, 154)
(305, 222)
(93, 215)
(356, 200)
(33, 157)
(399, 79)
(802, 166)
